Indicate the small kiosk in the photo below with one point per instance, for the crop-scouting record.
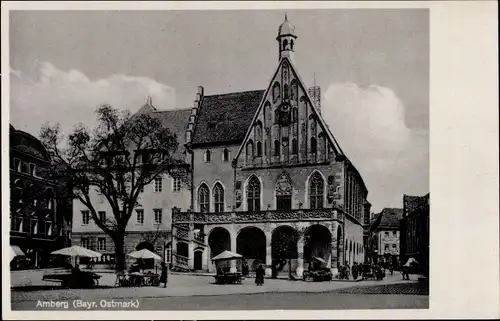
(223, 267)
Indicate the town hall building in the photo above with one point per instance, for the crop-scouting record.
(269, 180)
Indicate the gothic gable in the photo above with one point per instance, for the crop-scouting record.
(287, 128)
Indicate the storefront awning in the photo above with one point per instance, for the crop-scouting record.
(15, 251)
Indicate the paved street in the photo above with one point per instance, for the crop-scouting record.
(198, 293)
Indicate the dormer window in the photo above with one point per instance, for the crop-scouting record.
(225, 155)
(207, 156)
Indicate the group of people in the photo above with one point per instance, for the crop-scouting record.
(359, 270)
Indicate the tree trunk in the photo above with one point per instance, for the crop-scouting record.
(119, 251)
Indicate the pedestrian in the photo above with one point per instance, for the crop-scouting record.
(354, 269)
(259, 275)
(164, 273)
(244, 268)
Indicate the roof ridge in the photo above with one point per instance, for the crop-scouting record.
(235, 92)
(167, 110)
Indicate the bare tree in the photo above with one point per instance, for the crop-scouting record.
(116, 159)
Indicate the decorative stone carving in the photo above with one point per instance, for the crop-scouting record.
(284, 216)
(199, 217)
(283, 185)
(180, 217)
(238, 194)
(255, 216)
(219, 218)
(332, 189)
(317, 214)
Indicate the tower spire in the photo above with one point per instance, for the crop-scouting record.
(286, 18)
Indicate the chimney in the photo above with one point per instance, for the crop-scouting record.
(315, 94)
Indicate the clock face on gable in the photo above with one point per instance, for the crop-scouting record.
(284, 110)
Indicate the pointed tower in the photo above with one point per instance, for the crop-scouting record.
(286, 39)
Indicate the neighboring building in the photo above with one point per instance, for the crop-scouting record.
(414, 227)
(384, 237)
(150, 225)
(366, 229)
(38, 207)
(269, 179)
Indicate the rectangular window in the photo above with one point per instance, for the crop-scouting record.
(102, 216)
(177, 184)
(17, 164)
(158, 215)
(386, 247)
(386, 233)
(394, 233)
(85, 217)
(85, 243)
(32, 169)
(101, 244)
(158, 186)
(284, 202)
(393, 246)
(25, 168)
(140, 216)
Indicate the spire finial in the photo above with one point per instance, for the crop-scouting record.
(149, 101)
(286, 18)
(314, 79)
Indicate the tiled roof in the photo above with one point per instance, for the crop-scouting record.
(411, 203)
(388, 218)
(226, 118)
(176, 121)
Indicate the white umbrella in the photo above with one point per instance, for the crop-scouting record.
(145, 254)
(77, 251)
(227, 255)
(411, 261)
(320, 260)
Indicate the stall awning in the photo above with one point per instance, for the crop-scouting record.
(17, 250)
(226, 255)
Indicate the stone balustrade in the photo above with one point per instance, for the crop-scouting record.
(261, 216)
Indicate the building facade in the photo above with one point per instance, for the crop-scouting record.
(40, 211)
(384, 246)
(150, 225)
(414, 228)
(270, 181)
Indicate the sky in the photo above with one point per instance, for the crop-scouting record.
(371, 64)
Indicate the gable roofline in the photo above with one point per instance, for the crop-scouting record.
(306, 92)
(254, 118)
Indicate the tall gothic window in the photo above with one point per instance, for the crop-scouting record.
(276, 148)
(295, 115)
(249, 150)
(276, 116)
(276, 91)
(259, 149)
(316, 186)
(283, 193)
(204, 198)
(258, 130)
(313, 145)
(294, 147)
(218, 198)
(253, 194)
(207, 156)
